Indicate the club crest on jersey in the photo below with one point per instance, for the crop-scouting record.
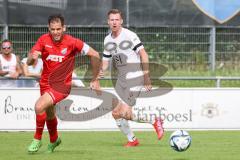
(64, 51)
(55, 58)
(219, 10)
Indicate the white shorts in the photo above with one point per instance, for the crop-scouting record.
(129, 90)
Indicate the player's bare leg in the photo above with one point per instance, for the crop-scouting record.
(42, 103)
(123, 125)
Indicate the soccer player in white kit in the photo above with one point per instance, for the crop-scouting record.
(131, 60)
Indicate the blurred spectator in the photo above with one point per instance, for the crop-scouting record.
(9, 65)
(33, 71)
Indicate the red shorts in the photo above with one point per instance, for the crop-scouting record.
(56, 96)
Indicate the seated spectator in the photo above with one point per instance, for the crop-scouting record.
(9, 65)
(33, 71)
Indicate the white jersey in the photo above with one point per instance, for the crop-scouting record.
(124, 51)
(9, 66)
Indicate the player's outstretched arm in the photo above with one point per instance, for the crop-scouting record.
(145, 67)
(96, 65)
(103, 68)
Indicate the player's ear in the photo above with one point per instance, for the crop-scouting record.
(121, 21)
(64, 28)
(48, 28)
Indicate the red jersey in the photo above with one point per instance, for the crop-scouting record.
(58, 61)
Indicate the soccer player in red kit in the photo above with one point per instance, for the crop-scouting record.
(58, 51)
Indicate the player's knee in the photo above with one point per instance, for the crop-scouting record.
(38, 109)
(128, 114)
(116, 114)
(123, 112)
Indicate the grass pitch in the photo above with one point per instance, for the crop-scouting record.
(206, 145)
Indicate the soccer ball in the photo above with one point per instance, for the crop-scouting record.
(180, 140)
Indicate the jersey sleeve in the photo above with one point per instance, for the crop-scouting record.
(79, 46)
(106, 52)
(38, 45)
(137, 44)
(85, 49)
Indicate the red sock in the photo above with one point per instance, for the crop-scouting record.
(40, 122)
(52, 129)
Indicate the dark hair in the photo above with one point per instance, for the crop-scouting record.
(115, 11)
(6, 40)
(56, 18)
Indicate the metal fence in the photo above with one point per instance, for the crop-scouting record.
(228, 47)
(2, 32)
(190, 48)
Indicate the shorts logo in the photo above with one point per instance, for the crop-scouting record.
(219, 10)
(64, 51)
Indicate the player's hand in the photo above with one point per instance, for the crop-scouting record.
(35, 54)
(95, 85)
(147, 83)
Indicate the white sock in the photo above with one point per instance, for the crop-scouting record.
(125, 129)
